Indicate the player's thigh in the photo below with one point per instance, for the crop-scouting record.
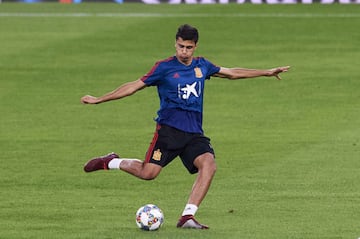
(200, 150)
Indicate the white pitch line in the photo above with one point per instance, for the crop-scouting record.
(170, 15)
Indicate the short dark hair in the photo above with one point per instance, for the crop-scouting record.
(187, 32)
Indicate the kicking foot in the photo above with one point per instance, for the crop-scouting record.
(99, 163)
(188, 221)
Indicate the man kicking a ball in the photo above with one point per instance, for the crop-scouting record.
(180, 81)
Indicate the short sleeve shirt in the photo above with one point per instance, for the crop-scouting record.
(181, 90)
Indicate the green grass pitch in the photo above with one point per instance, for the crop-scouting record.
(287, 151)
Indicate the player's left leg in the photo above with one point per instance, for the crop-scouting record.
(207, 168)
(205, 163)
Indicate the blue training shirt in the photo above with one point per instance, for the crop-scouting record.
(181, 90)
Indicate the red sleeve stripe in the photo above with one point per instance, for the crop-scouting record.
(144, 78)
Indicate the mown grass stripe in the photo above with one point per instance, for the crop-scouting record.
(170, 15)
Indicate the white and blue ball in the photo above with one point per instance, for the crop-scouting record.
(149, 217)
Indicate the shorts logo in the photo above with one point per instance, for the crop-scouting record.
(198, 72)
(157, 155)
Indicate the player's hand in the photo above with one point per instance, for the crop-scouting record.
(276, 71)
(88, 99)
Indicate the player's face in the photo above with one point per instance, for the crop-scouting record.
(185, 50)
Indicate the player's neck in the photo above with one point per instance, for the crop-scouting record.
(186, 62)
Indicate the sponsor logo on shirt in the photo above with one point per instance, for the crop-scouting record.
(188, 90)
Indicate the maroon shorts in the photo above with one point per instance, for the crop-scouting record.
(168, 143)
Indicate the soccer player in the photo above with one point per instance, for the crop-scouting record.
(180, 81)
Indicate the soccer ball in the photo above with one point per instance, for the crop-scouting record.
(149, 217)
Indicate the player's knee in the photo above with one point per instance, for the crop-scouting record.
(207, 163)
(211, 166)
(149, 173)
(148, 176)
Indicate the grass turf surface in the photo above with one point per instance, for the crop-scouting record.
(287, 151)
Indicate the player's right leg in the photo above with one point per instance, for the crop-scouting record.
(146, 171)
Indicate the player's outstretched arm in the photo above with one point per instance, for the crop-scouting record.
(124, 90)
(243, 73)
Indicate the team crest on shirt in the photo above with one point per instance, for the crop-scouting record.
(157, 155)
(198, 72)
